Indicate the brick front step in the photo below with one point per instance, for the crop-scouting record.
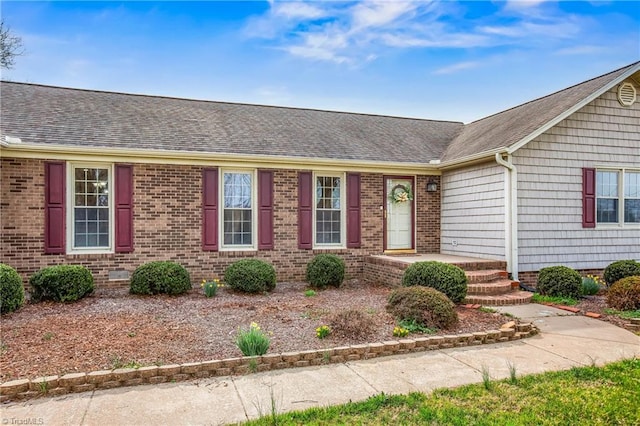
(489, 288)
(513, 298)
(486, 275)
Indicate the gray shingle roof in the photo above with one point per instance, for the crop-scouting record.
(509, 127)
(51, 115)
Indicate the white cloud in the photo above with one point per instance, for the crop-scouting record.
(359, 32)
(581, 50)
(460, 66)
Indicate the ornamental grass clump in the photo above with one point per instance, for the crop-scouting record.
(591, 285)
(210, 288)
(61, 283)
(325, 270)
(446, 278)
(624, 294)
(11, 289)
(160, 277)
(250, 276)
(252, 342)
(559, 281)
(621, 269)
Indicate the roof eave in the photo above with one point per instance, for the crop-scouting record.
(79, 153)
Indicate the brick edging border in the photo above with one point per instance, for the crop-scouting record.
(109, 379)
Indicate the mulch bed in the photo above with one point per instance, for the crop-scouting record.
(111, 328)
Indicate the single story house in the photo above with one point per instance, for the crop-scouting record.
(113, 180)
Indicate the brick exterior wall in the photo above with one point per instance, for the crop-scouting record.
(167, 224)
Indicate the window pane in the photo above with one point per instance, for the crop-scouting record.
(632, 210)
(632, 185)
(91, 214)
(328, 214)
(607, 210)
(607, 184)
(328, 227)
(238, 227)
(237, 190)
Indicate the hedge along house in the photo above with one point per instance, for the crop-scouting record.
(112, 180)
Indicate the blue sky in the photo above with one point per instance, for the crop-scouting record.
(440, 60)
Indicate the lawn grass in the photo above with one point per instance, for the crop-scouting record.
(567, 301)
(606, 395)
(623, 314)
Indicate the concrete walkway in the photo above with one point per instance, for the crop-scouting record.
(565, 341)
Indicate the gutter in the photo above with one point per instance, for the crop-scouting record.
(510, 213)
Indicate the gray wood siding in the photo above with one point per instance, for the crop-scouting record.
(473, 212)
(550, 232)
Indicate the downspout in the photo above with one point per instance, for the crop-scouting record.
(510, 213)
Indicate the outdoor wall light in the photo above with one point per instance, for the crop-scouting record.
(432, 186)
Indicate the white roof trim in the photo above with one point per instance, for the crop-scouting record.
(522, 142)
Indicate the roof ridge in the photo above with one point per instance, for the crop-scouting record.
(553, 93)
(227, 102)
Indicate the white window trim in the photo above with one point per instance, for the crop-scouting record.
(70, 197)
(621, 176)
(343, 211)
(254, 211)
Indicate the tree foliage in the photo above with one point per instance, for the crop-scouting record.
(10, 46)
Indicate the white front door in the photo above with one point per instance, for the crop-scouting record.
(399, 213)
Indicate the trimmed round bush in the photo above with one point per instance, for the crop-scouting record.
(325, 270)
(424, 305)
(250, 276)
(158, 277)
(61, 283)
(449, 279)
(624, 294)
(559, 281)
(11, 289)
(621, 269)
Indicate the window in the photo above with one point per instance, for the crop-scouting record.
(617, 196)
(329, 214)
(632, 197)
(91, 208)
(238, 210)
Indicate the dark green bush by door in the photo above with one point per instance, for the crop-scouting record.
(559, 281)
(325, 270)
(449, 279)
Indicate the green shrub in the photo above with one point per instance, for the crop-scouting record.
(325, 270)
(253, 341)
(591, 285)
(559, 281)
(425, 306)
(11, 289)
(624, 294)
(251, 276)
(62, 283)
(621, 269)
(160, 277)
(449, 279)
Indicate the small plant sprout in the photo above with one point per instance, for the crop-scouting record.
(253, 365)
(326, 357)
(309, 293)
(48, 336)
(43, 386)
(211, 287)
(513, 379)
(323, 331)
(486, 377)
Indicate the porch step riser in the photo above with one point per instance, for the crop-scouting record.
(486, 276)
(514, 298)
(493, 288)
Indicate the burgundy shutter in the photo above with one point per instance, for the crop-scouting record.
(305, 210)
(265, 210)
(210, 209)
(124, 208)
(54, 214)
(588, 198)
(353, 210)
